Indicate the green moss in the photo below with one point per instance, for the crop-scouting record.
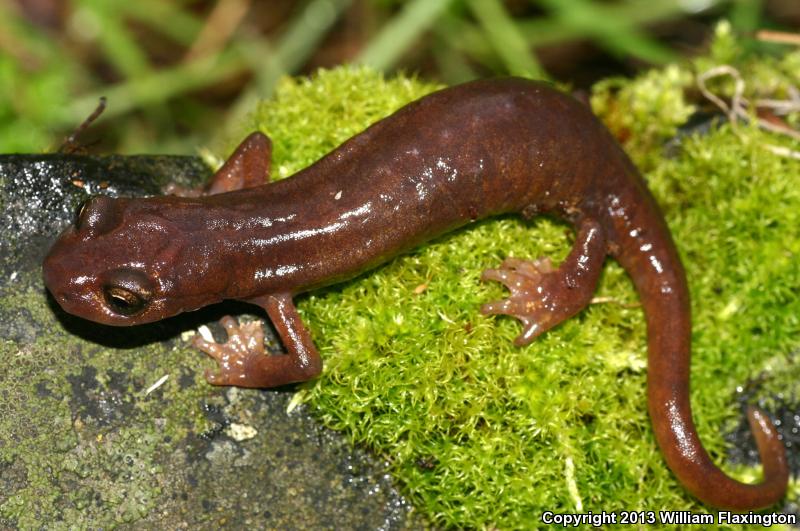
(645, 112)
(765, 77)
(483, 434)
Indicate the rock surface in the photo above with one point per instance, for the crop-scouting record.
(104, 426)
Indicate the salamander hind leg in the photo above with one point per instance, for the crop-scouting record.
(543, 296)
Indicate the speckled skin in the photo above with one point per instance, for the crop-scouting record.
(455, 156)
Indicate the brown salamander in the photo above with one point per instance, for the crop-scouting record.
(461, 154)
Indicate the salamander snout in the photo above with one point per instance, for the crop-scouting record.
(87, 283)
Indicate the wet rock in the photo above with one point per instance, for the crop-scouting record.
(102, 426)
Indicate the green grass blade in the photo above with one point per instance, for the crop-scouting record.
(544, 31)
(399, 34)
(118, 44)
(179, 24)
(294, 48)
(303, 37)
(618, 34)
(160, 85)
(453, 67)
(505, 37)
(745, 15)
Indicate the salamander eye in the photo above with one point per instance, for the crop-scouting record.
(98, 215)
(122, 301)
(79, 214)
(127, 291)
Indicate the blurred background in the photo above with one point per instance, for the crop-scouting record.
(177, 72)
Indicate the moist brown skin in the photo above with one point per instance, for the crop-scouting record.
(455, 156)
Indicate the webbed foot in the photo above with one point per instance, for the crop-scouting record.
(532, 300)
(238, 355)
(541, 296)
(243, 360)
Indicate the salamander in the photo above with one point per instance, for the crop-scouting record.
(455, 156)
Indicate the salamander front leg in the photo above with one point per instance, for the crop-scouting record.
(248, 166)
(243, 360)
(541, 296)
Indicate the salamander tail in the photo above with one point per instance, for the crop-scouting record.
(650, 258)
(771, 452)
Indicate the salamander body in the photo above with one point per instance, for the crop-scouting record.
(455, 156)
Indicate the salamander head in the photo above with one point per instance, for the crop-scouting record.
(117, 264)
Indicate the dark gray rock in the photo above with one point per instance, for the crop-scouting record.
(85, 442)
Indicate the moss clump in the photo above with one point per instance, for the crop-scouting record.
(483, 434)
(645, 112)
